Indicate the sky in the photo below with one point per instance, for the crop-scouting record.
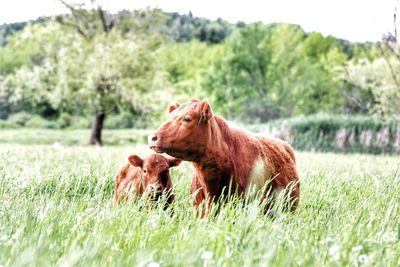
(354, 20)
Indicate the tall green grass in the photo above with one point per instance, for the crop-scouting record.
(337, 133)
(28, 136)
(56, 209)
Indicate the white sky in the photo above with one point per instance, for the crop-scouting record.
(354, 20)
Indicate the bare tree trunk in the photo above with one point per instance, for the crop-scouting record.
(97, 126)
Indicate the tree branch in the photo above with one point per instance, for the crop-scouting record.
(85, 22)
(106, 26)
(73, 25)
(393, 73)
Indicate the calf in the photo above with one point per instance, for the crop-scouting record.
(223, 155)
(139, 175)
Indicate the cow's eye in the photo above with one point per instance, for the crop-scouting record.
(145, 171)
(187, 119)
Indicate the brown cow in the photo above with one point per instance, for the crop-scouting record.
(151, 173)
(224, 155)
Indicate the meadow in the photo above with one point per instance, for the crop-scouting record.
(56, 210)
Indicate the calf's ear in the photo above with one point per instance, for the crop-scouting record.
(135, 160)
(173, 107)
(174, 162)
(205, 112)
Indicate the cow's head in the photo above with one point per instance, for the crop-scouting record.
(155, 172)
(186, 133)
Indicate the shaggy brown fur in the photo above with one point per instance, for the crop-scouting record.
(138, 174)
(222, 154)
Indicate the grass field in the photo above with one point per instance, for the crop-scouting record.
(56, 209)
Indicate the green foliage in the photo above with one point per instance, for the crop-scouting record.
(361, 134)
(38, 122)
(187, 65)
(148, 59)
(272, 71)
(81, 77)
(23, 119)
(57, 210)
(122, 120)
(64, 120)
(184, 28)
(5, 124)
(7, 30)
(68, 136)
(20, 118)
(379, 78)
(78, 122)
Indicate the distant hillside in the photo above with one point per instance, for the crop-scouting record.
(184, 28)
(181, 28)
(11, 28)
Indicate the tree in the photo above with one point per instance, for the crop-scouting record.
(115, 68)
(186, 65)
(268, 71)
(378, 76)
(390, 50)
(89, 24)
(103, 73)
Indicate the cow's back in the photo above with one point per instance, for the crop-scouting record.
(126, 178)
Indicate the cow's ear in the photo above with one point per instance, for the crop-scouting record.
(173, 107)
(205, 112)
(135, 161)
(174, 162)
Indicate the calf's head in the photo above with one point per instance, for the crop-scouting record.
(155, 172)
(186, 132)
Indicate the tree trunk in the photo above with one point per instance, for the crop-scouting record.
(97, 126)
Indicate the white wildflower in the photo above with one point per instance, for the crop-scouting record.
(56, 145)
(153, 264)
(363, 258)
(207, 255)
(334, 252)
(390, 236)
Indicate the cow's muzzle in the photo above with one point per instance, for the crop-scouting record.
(152, 141)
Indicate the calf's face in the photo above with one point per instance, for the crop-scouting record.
(155, 172)
(185, 133)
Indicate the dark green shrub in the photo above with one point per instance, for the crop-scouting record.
(80, 123)
(361, 134)
(64, 120)
(121, 120)
(38, 122)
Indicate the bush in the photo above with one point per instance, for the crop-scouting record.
(38, 122)
(122, 120)
(80, 122)
(64, 120)
(20, 118)
(4, 124)
(362, 134)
